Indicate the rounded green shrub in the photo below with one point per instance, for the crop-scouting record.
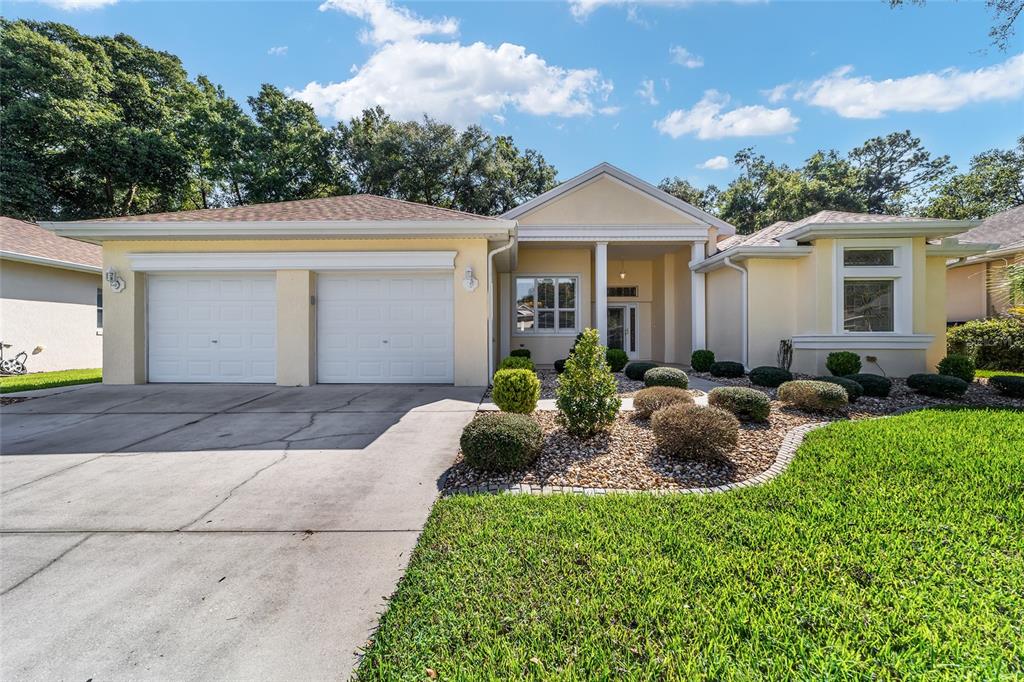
(693, 430)
(647, 401)
(959, 366)
(772, 377)
(1010, 386)
(937, 385)
(726, 369)
(701, 360)
(587, 393)
(616, 359)
(666, 376)
(748, 404)
(852, 388)
(516, 390)
(636, 370)
(501, 442)
(560, 366)
(842, 362)
(520, 352)
(814, 396)
(516, 362)
(874, 385)
(995, 343)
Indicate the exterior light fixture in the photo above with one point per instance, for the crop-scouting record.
(469, 282)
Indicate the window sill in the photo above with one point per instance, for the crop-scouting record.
(527, 335)
(863, 340)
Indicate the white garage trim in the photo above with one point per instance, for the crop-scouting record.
(298, 260)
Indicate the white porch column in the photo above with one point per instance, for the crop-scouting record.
(697, 302)
(601, 291)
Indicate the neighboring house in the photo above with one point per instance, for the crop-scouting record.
(50, 297)
(367, 289)
(975, 286)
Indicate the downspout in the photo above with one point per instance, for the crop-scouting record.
(491, 332)
(744, 314)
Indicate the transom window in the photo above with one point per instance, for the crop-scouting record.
(866, 258)
(546, 305)
(874, 286)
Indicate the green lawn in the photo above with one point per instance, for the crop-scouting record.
(890, 549)
(996, 372)
(68, 377)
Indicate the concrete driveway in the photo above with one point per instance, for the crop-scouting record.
(211, 532)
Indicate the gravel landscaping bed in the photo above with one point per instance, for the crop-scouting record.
(549, 380)
(626, 458)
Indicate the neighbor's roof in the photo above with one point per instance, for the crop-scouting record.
(1004, 228)
(763, 237)
(29, 242)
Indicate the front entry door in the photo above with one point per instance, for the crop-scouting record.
(622, 328)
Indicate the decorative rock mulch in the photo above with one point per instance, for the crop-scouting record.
(549, 380)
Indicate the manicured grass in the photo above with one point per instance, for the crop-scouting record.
(67, 377)
(996, 372)
(891, 548)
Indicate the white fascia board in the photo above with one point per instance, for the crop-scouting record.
(909, 228)
(863, 341)
(958, 250)
(628, 179)
(50, 262)
(298, 260)
(134, 229)
(1016, 249)
(612, 233)
(741, 253)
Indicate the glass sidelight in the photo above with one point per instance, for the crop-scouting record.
(622, 328)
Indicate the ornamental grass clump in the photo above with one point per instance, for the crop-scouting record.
(685, 430)
(647, 401)
(587, 393)
(842, 362)
(748, 404)
(937, 385)
(959, 366)
(501, 442)
(814, 396)
(516, 390)
(701, 360)
(771, 377)
(666, 376)
(516, 362)
(726, 369)
(853, 389)
(636, 370)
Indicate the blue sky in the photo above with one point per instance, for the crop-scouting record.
(659, 88)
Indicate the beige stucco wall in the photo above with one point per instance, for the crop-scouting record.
(724, 293)
(605, 201)
(966, 295)
(50, 307)
(125, 333)
(773, 309)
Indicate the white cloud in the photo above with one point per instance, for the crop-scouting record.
(72, 5)
(778, 93)
(279, 51)
(680, 55)
(862, 97)
(581, 9)
(715, 163)
(707, 121)
(389, 23)
(646, 92)
(499, 119)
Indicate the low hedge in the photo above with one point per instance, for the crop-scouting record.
(772, 377)
(666, 376)
(874, 385)
(501, 442)
(726, 369)
(995, 343)
(852, 388)
(516, 362)
(516, 390)
(520, 352)
(636, 370)
(815, 396)
(1010, 386)
(959, 366)
(616, 359)
(748, 404)
(647, 401)
(937, 385)
(685, 430)
(701, 360)
(842, 362)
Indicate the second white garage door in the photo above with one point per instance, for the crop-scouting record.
(382, 328)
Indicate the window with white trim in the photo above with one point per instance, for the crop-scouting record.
(874, 281)
(546, 305)
(99, 308)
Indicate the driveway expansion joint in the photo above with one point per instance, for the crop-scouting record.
(46, 565)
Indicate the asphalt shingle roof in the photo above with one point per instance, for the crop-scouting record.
(28, 239)
(1005, 228)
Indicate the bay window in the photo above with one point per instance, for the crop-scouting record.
(546, 305)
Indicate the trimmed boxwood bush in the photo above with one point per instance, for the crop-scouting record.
(701, 360)
(842, 362)
(853, 389)
(959, 366)
(815, 396)
(520, 352)
(501, 442)
(616, 359)
(726, 369)
(559, 366)
(995, 343)
(1010, 386)
(772, 377)
(666, 376)
(587, 393)
(937, 385)
(647, 401)
(636, 370)
(874, 385)
(693, 430)
(516, 390)
(748, 404)
(516, 362)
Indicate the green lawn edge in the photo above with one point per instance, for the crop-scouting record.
(37, 380)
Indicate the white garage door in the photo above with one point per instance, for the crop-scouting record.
(212, 328)
(377, 328)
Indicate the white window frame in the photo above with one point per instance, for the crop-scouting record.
(901, 273)
(99, 310)
(546, 332)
